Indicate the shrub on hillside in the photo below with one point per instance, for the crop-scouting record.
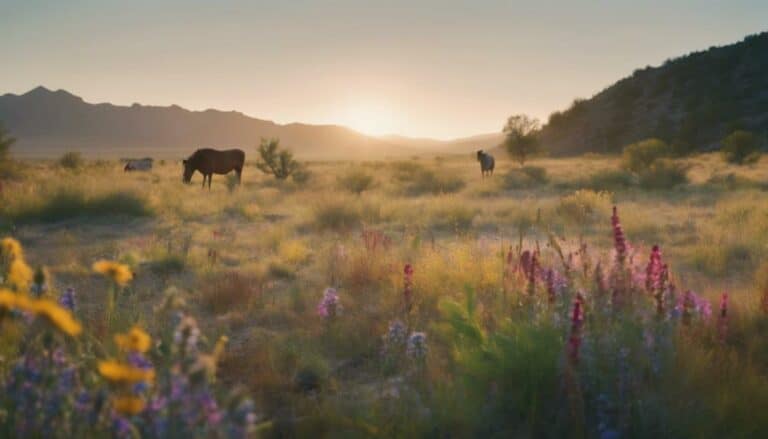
(525, 178)
(664, 174)
(639, 156)
(610, 180)
(741, 147)
(71, 160)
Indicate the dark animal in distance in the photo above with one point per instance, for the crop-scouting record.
(487, 163)
(211, 161)
(144, 164)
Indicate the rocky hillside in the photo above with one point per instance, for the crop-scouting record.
(692, 101)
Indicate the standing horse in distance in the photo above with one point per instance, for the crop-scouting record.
(487, 162)
(211, 161)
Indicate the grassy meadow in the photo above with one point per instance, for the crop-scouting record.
(508, 306)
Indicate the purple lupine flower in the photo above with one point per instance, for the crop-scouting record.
(395, 337)
(577, 318)
(417, 348)
(329, 307)
(653, 270)
(67, 299)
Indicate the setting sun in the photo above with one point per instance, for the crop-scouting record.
(373, 118)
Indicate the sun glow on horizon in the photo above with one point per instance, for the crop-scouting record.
(371, 118)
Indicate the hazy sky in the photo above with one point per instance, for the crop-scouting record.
(436, 68)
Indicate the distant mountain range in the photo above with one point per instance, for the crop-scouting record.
(48, 123)
(692, 101)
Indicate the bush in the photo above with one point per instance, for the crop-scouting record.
(71, 160)
(610, 180)
(585, 206)
(416, 179)
(639, 156)
(664, 174)
(525, 178)
(741, 147)
(356, 181)
(272, 160)
(336, 215)
(73, 203)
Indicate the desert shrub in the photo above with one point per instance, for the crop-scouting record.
(71, 203)
(274, 161)
(585, 206)
(416, 179)
(71, 160)
(168, 264)
(664, 174)
(731, 181)
(609, 180)
(229, 291)
(525, 178)
(337, 214)
(741, 147)
(639, 156)
(718, 257)
(301, 176)
(355, 180)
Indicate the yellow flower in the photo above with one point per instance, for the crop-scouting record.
(123, 373)
(128, 405)
(7, 299)
(119, 273)
(19, 274)
(135, 340)
(60, 317)
(11, 248)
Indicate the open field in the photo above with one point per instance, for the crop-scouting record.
(506, 354)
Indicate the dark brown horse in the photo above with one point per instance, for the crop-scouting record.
(211, 161)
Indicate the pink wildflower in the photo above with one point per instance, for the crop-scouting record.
(577, 318)
(619, 240)
(329, 307)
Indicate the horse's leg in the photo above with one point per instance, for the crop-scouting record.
(239, 175)
(203, 180)
(210, 178)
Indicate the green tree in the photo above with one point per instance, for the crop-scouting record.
(521, 140)
(275, 161)
(741, 147)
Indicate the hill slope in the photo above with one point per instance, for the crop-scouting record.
(692, 101)
(48, 123)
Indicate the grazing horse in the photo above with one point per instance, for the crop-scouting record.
(144, 164)
(211, 161)
(487, 163)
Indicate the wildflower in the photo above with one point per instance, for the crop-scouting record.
(653, 270)
(19, 274)
(329, 307)
(120, 274)
(187, 334)
(577, 318)
(619, 240)
(67, 299)
(135, 340)
(417, 346)
(395, 336)
(11, 249)
(128, 405)
(122, 373)
(408, 287)
(550, 282)
(57, 315)
(7, 299)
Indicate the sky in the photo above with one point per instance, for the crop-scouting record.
(422, 68)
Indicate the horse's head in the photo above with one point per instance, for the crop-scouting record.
(480, 154)
(188, 171)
